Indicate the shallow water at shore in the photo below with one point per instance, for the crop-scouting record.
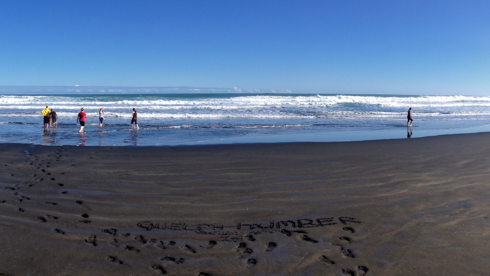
(208, 119)
(117, 135)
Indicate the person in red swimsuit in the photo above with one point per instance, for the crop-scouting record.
(81, 119)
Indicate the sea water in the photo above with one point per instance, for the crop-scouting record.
(225, 118)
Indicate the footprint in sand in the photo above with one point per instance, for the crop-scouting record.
(251, 262)
(140, 239)
(203, 274)
(349, 229)
(51, 203)
(92, 239)
(59, 231)
(188, 248)
(41, 219)
(348, 253)
(158, 268)
(131, 248)
(271, 246)
(347, 239)
(324, 259)
(160, 245)
(243, 249)
(79, 202)
(362, 270)
(348, 272)
(345, 252)
(21, 210)
(211, 244)
(114, 243)
(172, 259)
(51, 217)
(111, 231)
(250, 238)
(84, 215)
(114, 259)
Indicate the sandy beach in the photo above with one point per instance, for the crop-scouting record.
(387, 207)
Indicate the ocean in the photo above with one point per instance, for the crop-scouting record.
(228, 118)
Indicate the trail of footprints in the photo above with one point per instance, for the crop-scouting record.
(135, 244)
(42, 176)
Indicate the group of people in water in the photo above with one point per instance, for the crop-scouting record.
(51, 118)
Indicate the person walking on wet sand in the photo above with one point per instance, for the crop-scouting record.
(134, 118)
(409, 117)
(46, 116)
(81, 119)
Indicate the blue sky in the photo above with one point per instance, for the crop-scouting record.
(331, 46)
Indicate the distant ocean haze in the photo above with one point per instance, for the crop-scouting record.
(173, 119)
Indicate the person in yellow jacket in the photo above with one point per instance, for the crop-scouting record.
(46, 114)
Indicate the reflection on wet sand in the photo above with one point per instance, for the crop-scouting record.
(47, 137)
(134, 137)
(101, 137)
(82, 139)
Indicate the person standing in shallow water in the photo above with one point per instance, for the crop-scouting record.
(134, 118)
(81, 119)
(46, 116)
(409, 117)
(54, 119)
(101, 116)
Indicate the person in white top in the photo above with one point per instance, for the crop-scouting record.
(101, 116)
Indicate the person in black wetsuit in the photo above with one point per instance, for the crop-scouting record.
(409, 117)
(134, 118)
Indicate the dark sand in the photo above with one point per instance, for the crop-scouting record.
(393, 207)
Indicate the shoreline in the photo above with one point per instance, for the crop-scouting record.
(437, 134)
(173, 138)
(378, 207)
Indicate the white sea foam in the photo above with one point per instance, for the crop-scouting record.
(255, 106)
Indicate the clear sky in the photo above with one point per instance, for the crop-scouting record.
(333, 46)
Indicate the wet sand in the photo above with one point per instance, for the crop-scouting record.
(392, 207)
